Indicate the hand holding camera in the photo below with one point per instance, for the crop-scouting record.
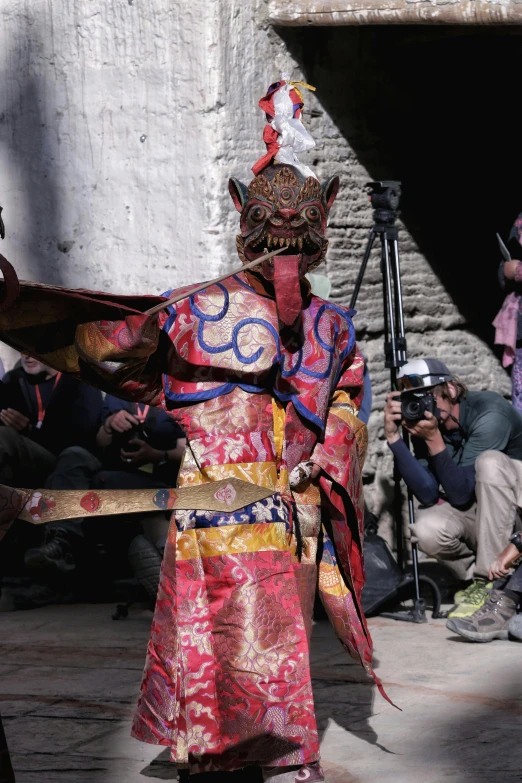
(127, 433)
(392, 417)
(415, 411)
(139, 452)
(121, 422)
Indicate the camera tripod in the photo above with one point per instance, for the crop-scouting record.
(385, 197)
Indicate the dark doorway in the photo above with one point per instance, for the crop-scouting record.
(436, 108)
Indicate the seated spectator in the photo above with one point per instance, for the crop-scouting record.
(142, 446)
(466, 472)
(48, 419)
(137, 447)
(43, 413)
(497, 618)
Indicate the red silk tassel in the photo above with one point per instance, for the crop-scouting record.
(289, 301)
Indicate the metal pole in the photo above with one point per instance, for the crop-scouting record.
(389, 349)
(400, 312)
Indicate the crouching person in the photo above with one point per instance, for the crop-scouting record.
(498, 618)
(466, 471)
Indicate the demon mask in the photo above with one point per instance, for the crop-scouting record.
(282, 208)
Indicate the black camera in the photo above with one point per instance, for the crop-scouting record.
(138, 432)
(416, 403)
(385, 194)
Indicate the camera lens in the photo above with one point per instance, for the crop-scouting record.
(413, 409)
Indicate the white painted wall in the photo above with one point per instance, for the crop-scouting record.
(81, 83)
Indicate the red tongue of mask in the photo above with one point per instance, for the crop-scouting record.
(287, 288)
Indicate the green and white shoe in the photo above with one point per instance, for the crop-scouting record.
(472, 598)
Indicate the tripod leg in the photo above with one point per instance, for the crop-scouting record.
(395, 352)
(358, 282)
(397, 513)
(399, 312)
(390, 316)
(419, 604)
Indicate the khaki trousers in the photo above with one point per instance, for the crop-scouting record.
(467, 542)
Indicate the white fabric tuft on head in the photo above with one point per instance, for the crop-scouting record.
(285, 135)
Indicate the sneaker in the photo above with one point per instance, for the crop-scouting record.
(515, 627)
(461, 595)
(471, 599)
(55, 555)
(488, 622)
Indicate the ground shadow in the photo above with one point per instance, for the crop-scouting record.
(343, 692)
(480, 735)
(433, 107)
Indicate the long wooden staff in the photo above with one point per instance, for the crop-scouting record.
(186, 294)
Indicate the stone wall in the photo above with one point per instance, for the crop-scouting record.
(121, 121)
(391, 103)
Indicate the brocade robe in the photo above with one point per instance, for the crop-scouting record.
(227, 677)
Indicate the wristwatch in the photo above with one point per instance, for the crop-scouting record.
(516, 539)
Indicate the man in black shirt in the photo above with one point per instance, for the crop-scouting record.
(138, 442)
(466, 472)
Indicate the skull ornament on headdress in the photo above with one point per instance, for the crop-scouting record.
(284, 206)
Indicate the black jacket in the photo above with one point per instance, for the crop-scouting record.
(72, 409)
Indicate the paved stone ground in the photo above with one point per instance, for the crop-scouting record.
(70, 677)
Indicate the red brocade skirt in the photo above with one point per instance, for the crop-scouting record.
(227, 677)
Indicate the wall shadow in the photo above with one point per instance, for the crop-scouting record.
(435, 108)
(29, 144)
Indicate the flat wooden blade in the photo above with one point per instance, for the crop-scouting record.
(46, 505)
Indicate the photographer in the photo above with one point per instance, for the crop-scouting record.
(143, 445)
(466, 472)
(48, 425)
